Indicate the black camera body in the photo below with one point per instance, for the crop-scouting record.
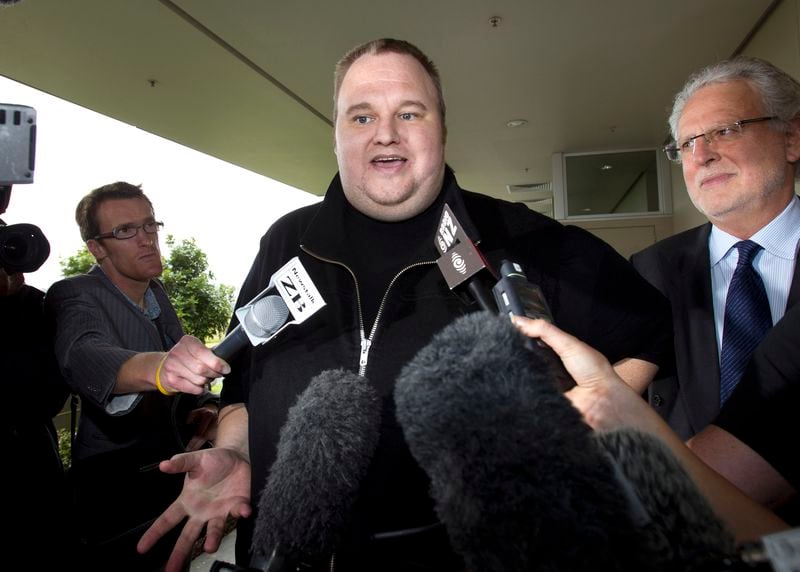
(23, 247)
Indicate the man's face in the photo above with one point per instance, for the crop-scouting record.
(389, 137)
(742, 183)
(136, 259)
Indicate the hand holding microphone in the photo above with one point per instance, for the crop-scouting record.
(265, 317)
(461, 263)
(603, 398)
(518, 479)
(289, 298)
(521, 483)
(187, 367)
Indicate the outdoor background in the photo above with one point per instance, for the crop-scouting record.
(225, 208)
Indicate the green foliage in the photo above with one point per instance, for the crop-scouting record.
(78, 263)
(65, 448)
(203, 308)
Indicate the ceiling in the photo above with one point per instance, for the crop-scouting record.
(250, 81)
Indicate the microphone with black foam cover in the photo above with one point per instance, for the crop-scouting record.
(682, 529)
(265, 317)
(516, 475)
(324, 451)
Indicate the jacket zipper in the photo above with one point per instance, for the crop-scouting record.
(366, 341)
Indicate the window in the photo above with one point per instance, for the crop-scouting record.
(616, 184)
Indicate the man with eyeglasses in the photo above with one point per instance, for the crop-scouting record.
(736, 126)
(142, 382)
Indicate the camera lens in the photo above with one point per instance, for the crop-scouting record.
(23, 248)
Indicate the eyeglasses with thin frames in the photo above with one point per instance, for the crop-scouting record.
(719, 135)
(126, 231)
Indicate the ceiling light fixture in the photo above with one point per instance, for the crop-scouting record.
(606, 167)
(516, 122)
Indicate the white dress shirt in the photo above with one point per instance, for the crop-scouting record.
(775, 264)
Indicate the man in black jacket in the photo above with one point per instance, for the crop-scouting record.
(368, 247)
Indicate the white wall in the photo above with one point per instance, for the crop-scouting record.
(778, 41)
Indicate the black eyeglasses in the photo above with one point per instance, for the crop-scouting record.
(719, 135)
(126, 231)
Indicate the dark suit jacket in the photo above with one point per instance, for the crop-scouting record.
(762, 411)
(679, 267)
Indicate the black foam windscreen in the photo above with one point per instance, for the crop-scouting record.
(324, 451)
(683, 531)
(517, 477)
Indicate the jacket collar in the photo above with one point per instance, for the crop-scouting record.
(152, 309)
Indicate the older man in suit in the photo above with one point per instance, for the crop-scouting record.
(736, 125)
(120, 346)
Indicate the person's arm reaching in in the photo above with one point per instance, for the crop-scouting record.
(186, 368)
(637, 373)
(608, 403)
(742, 466)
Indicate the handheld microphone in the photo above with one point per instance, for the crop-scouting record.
(461, 261)
(289, 298)
(516, 475)
(324, 451)
(265, 317)
(516, 296)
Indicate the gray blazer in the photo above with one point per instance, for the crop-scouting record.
(97, 329)
(679, 267)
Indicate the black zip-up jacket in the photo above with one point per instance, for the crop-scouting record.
(592, 291)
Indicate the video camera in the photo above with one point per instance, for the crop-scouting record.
(23, 247)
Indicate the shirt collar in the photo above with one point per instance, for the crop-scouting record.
(151, 310)
(779, 237)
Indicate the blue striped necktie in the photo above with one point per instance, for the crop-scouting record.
(747, 318)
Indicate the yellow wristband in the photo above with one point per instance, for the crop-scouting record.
(158, 377)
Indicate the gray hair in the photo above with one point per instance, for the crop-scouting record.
(779, 92)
